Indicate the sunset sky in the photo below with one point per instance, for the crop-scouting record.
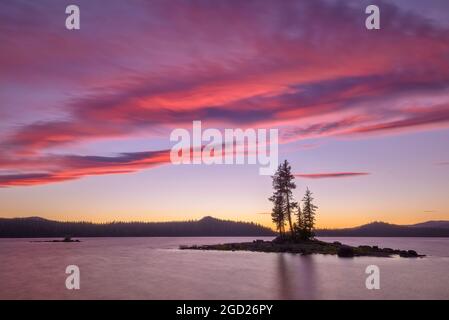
(86, 115)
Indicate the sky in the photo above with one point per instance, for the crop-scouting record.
(86, 115)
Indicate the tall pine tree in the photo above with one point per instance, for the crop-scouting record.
(299, 224)
(277, 213)
(308, 214)
(287, 184)
(283, 201)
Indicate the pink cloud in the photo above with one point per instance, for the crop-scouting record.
(71, 167)
(325, 175)
(259, 63)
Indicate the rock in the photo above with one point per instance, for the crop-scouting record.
(412, 253)
(279, 239)
(408, 254)
(365, 247)
(337, 243)
(345, 252)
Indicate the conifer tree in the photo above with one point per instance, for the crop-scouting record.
(286, 185)
(308, 214)
(277, 213)
(299, 224)
(283, 201)
(277, 198)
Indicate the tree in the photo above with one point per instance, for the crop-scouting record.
(283, 184)
(287, 184)
(277, 213)
(308, 214)
(299, 224)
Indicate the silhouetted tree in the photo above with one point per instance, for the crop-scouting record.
(308, 214)
(287, 184)
(277, 213)
(283, 184)
(299, 224)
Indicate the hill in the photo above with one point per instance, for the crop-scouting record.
(382, 229)
(35, 227)
(432, 224)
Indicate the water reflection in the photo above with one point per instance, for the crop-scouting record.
(297, 276)
(309, 277)
(285, 277)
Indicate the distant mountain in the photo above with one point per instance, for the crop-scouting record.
(35, 227)
(432, 224)
(382, 229)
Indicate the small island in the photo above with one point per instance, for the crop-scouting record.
(312, 246)
(300, 236)
(66, 239)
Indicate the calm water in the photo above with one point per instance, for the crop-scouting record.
(153, 268)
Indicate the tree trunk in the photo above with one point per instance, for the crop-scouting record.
(290, 217)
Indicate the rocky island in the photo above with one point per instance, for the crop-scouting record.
(307, 247)
(66, 239)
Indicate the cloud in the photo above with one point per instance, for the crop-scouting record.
(71, 167)
(58, 168)
(25, 179)
(282, 64)
(428, 117)
(325, 175)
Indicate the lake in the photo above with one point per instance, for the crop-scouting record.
(154, 268)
